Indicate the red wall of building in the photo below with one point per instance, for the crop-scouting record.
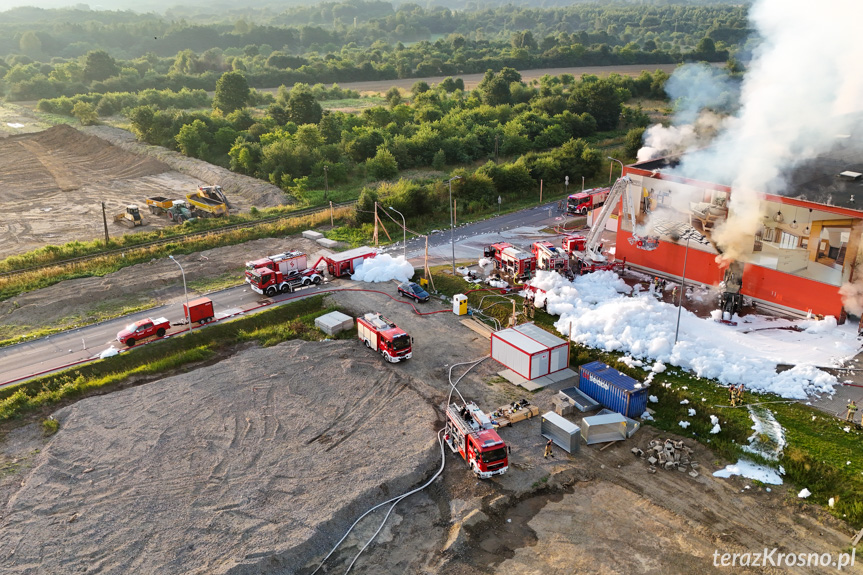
(791, 291)
(668, 258)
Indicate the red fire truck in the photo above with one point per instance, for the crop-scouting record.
(470, 433)
(382, 335)
(269, 282)
(583, 202)
(286, 263)
(511, 261)
(549, 257)
(574, 243)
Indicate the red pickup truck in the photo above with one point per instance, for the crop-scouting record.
(135, 332)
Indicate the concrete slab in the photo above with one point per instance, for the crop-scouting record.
(327, 243)
(312, 235)
(562, 375)
(334, 322)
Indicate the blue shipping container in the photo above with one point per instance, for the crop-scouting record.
(614, 390)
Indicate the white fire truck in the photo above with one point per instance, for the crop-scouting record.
(470, 433)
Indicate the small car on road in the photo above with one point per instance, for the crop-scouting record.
(412, 290)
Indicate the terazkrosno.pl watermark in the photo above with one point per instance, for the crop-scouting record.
(775, 558)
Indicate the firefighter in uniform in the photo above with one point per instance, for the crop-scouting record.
(548, 449)
(740, 394)
(732, 393)
(852, 411)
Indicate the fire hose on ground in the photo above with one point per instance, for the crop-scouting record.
(395, 500)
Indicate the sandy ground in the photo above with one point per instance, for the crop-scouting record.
(593, 512)
(240, 467)
(54, 182)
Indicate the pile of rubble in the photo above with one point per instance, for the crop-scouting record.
(669, 454)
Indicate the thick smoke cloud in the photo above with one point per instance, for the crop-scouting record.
(800, 91)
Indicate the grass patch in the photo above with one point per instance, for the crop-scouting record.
(12, 334)
(354, 103)
(224, 281)
(290, 321)
(50, 426)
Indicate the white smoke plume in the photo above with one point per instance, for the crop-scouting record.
(800, 90)
(795, 100)
(700, 93)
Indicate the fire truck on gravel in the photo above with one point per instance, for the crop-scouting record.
(470, 433)
(382, 335)
(518, 264)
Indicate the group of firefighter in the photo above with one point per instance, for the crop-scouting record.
(736, 394)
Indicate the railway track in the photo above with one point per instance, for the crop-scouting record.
(179, 238)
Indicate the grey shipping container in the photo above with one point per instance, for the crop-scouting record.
(560, 431)
(614, 390)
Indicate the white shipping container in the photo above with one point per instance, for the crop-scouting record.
(529, 351)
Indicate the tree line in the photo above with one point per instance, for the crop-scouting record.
(179, 55)
(538, 129)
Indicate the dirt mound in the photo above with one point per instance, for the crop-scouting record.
(71, 159)
(241, 467)
(243, 191)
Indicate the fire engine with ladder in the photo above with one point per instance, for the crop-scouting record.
(586, 253)
(470, 433)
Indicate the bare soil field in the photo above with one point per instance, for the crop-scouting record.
(260, 462)
(54, 181)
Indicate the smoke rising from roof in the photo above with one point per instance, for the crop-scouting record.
(799, 92)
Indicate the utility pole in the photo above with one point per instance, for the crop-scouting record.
(455, 211)
(376, 225)
(332, 215)
(495, 147)
(326, 186)
(105, 222)
(452, 223)
(540, 191)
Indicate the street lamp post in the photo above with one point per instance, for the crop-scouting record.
(185, 292)
(326, 185)
(452, 223)
(404, 233)
(682, 290)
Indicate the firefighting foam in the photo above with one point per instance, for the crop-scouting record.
(595, 308)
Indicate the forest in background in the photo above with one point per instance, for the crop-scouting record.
(52, 53)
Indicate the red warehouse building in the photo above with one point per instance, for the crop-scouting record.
(804, 249)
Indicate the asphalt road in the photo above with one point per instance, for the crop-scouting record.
(51, 353)
(59, 350)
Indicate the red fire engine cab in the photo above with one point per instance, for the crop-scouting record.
(382, 335)
(470, 433)
(512, 261)
(583, 202)
(549, 257)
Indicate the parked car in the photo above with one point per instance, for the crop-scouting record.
(412, 290)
